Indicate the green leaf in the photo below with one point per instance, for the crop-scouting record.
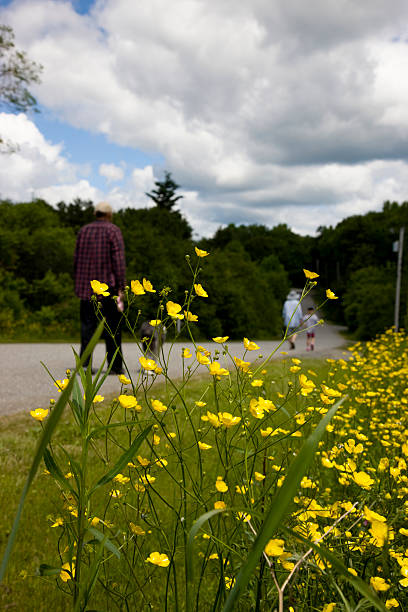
(48, 570)
(356, 581)
(279, 506)
(190, 542)
(43, 442)
(123, 461)
(56, 473)
(104, 540)
(99, 430)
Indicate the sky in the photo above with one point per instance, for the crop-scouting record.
(264, 112)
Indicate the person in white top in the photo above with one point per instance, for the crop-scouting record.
(292, 316)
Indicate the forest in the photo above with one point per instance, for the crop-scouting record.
(248, 276)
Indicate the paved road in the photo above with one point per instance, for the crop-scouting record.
(25, 384)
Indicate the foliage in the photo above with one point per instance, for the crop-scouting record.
(17, 73)
(257, 267)
(244, 295)
(179, 499)
(36, 252)
(369, 301)
(261, 242)
(164, 196)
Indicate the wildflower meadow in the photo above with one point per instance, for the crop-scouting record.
(256, 485)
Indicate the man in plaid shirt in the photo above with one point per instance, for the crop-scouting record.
(100, 255)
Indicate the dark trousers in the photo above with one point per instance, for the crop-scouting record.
(112, 333)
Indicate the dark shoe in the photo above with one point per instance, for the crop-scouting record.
(292, 345)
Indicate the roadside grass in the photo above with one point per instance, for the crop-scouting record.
(38, 543)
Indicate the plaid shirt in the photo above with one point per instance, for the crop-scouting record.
(99, 255)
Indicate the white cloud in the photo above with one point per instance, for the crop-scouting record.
(67, 193)
(265, 112)
(111, 172)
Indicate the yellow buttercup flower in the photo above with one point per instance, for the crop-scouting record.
(200, 252)
(187, 353)
(204, 446)
(200, 291)
(219, 505)
(190, 316)
(310, 275)
(39, 414)
(274, 548)
(128, 402)
(257, 382)
(116, 494)
(256, 409)
(379, 584)
(227, 419)
(61, 384)
(67, 572)
(160, 559)
(147, 286)
(229, 582)
(200, 404)
(136, 529)
(99, 288)
(330, 295)
(97, 399)
(213, 419)
(147, 364)
(259, 477)
(173, 310)
(391, 603)
(220, 485)
(124, 380)
(143, 461)
(306, 385)
(243, 516)
(202, 358)
(216, 369)
(137, 287)
(158, 406)
(121, 478)
(220, 339)
(250, 346)
(155, 322)
(379, 531)
(363, 480)
(242, 365)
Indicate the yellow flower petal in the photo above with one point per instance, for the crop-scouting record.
(200, 252)
(200, 291)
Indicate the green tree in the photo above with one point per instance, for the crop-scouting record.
(76, 214)
(369, 301)
(164, 196)
(17, 73)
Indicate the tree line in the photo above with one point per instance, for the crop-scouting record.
(248, 275)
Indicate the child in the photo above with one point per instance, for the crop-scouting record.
(309, 320)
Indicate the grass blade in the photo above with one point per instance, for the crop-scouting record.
(279, 506)
(43, 442)
(123, 461)
(356, 581)
(193, 532)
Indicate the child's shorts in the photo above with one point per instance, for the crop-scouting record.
(310, 334)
